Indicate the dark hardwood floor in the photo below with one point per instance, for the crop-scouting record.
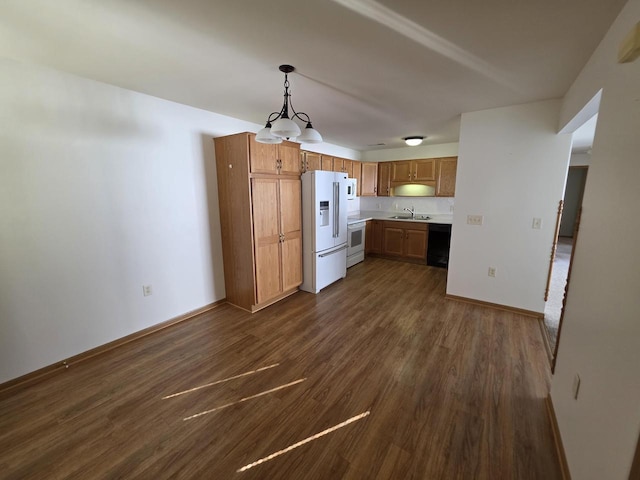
(453, 391)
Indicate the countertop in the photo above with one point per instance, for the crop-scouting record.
(379, 215)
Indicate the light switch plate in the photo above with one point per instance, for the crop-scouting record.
(475, 219)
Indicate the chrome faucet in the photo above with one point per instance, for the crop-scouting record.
(411, 211)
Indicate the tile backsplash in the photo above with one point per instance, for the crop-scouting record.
(435, 205)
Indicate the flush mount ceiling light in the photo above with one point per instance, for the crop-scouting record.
(280, 126)
(413, 141)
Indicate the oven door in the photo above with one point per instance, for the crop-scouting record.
(355, 243)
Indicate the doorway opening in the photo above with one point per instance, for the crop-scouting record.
(564, 242)
(566, 235)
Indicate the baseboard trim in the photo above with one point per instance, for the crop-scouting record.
(50, 370)
(557, 439)
(546, 341)
(482, 303)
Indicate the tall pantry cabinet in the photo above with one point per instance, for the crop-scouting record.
(259, 193)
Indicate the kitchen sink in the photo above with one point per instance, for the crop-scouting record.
(408, 217)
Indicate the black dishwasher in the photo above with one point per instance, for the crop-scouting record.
(438, 245)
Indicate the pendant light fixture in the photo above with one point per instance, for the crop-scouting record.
(413, 141)
(279, 126)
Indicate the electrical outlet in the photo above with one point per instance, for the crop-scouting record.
(492, 271)
(537, 224)
(146, 290)
(576, 386)
(475, 219)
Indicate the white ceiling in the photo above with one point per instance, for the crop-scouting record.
(366, 72)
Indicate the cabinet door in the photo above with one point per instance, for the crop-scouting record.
(424, 170)
(338, 164)
(291, 229)
(357, 174)
(263, 156)
(289, 156)
(384, 176)
(415, 243)
(312, 161)
(348, 167)
(401, 172)
(327, 163)
(446, 182)
(266, 233)
(393, 241)
(369, 183)
(373, 237)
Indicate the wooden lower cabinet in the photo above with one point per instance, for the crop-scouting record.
(261, 224)
(405, 240)
(277, 235)
(373, 237)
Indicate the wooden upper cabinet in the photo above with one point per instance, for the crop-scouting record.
(338, 164)
(413, 171)
(312, 161)
(368, 185)
(357, 174)
(384, 179)
(424, 170)
(283, 158)
(446, 177)
(263, 157)
(348, 167)
(326, 162)
(289, 156)
(401, 172)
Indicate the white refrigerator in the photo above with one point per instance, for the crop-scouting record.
(324, 229)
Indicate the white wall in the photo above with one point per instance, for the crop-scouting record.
(409, 153)
(580, 159)
(102, 190)
(511, 168)
(601, 332)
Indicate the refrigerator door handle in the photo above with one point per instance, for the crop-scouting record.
(322, 255)
(336, 209)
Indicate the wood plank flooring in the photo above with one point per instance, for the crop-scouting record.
(453, 391)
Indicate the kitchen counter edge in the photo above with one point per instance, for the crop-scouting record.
(364, 216)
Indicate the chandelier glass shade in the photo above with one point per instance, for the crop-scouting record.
(280, 126)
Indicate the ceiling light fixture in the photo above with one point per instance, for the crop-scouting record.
(285, 127)
(413, 141)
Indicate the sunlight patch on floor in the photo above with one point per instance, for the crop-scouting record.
(266, 392)
(221, 381)
(302, 442)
